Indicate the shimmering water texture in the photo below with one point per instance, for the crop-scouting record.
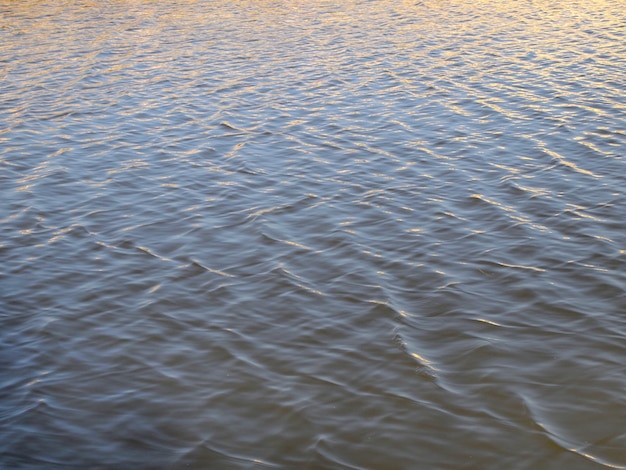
(371, 235)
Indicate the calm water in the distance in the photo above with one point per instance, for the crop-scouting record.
(317, 234)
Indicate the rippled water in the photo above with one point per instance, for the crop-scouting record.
(313, 235)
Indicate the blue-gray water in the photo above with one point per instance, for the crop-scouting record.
(312, 235)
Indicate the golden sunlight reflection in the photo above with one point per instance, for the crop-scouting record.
(488, 322)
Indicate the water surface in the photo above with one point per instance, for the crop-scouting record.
(312, 235)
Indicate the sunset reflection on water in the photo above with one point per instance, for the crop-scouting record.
(312, 234)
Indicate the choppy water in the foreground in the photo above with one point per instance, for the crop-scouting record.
(313, 235)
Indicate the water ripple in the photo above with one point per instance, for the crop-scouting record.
(312, 235)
